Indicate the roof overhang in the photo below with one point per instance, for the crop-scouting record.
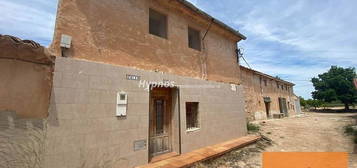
(268, 76)
(209, 17)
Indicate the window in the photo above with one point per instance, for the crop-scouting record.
(289, 105)
(265, 83)
(194, 40)
(192, 116)
(157, 24)
(159, 104)
(122, 96)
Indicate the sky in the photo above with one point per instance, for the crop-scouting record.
(293, 39)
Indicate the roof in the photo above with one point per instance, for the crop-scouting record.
(209, 17)
(266, 75)
(24, 50)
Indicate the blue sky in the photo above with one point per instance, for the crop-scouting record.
(292, 39)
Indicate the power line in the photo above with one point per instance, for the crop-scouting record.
(241, 55)
(310, 50)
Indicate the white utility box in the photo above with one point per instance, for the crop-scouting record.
(66, 41)
(122, 104)
(234, 87)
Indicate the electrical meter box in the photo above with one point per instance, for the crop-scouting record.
(122, 104)
(66, 41)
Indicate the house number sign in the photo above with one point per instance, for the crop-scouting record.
(132, 77)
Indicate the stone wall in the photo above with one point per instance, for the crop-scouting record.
(26, 77)
(22, 141)
(255, 91)
(25, 86)
(83, 130)
(117, 32)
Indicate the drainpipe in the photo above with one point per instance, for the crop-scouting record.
(208, 28)
(204, 55)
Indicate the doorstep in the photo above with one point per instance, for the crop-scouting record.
(202, 154)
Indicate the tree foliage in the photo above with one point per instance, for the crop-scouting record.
(302, 101)
(336, 84)
(310, 103)
(314, 103)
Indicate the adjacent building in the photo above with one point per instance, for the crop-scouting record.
(267, 96)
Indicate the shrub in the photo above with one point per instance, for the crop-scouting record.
(349, 130)
(253, 127)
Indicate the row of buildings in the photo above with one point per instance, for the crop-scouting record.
(127, 81)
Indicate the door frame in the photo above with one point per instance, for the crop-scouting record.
(267, 109)
(175, 122)
(283, 106)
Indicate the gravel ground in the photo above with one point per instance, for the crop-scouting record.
(309, 132)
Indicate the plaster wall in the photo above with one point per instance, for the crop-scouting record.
(117, 32)
(255, 91)
(83, 129)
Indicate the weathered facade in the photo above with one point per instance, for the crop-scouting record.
(117, 32)
(26, 71)
(26, 77)
(266, 96)
(101, 111)
(140, 79)
(83, 128)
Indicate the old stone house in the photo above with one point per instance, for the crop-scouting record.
(132, 81)
(267, 96)
(106, 106)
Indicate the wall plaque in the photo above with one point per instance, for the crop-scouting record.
(139, 145)
(132, 77)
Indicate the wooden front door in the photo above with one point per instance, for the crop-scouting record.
(283, 106)
(267, 109)
(160, 122)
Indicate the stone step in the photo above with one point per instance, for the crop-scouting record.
(202, 154)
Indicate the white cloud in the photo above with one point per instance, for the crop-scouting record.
(195, 2)
(299, 39)
(33, 19)
(301, 25)
(296, 39)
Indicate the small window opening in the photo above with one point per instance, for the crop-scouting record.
(192, 115)
(157, 24)
(265, 83)
(194, 40)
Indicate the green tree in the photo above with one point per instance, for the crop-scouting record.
(302, 101)
(314, 103)
(336, 84)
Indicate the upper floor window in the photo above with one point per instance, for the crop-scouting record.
(265, 82)
(157, 24)
(194, 39)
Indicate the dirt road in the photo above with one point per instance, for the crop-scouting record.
(310, 132)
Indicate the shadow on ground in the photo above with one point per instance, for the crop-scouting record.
(334, 111)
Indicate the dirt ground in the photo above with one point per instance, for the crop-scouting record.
(309, 132)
